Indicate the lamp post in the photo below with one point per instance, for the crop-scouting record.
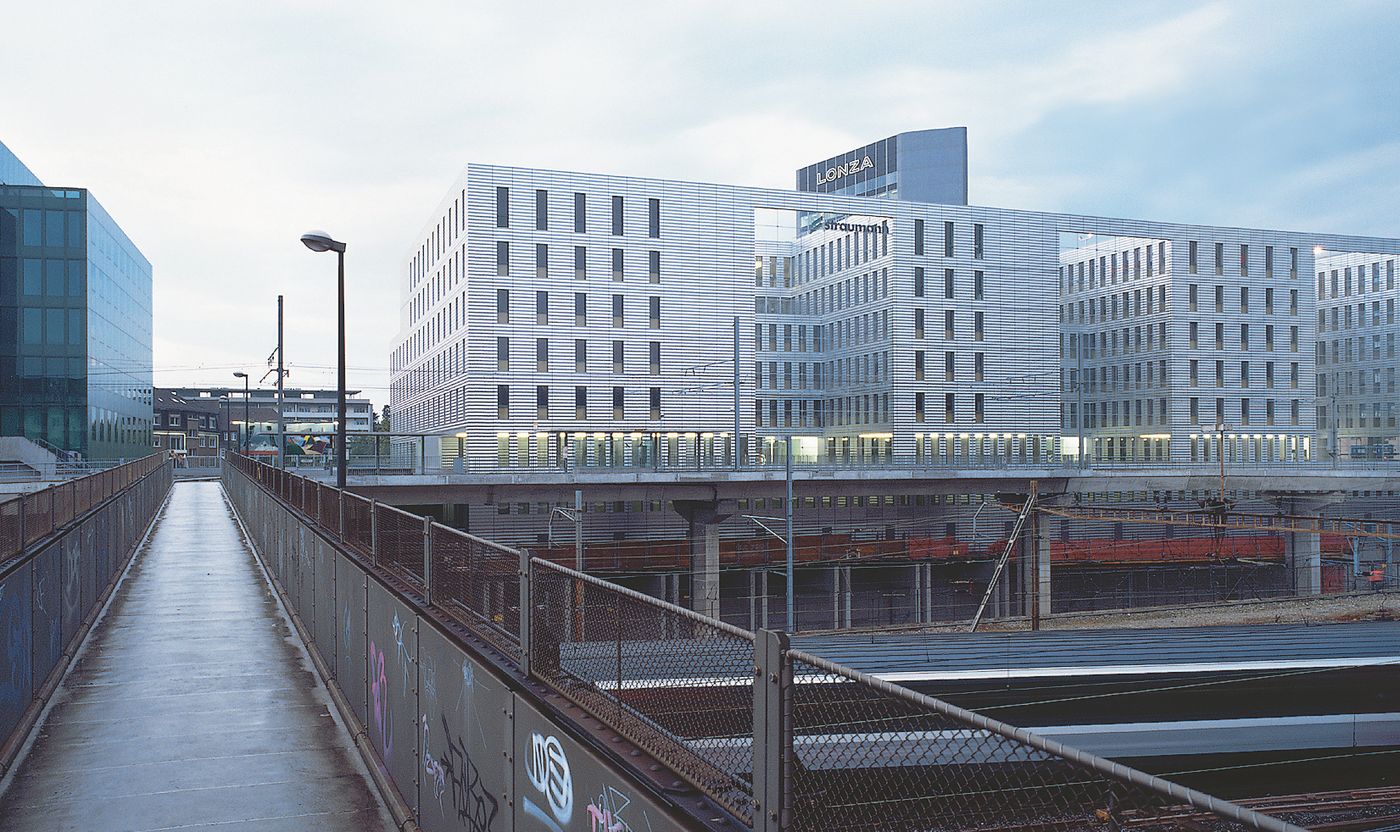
(245, 431)
(321, 241)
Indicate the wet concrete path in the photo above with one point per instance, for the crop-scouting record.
(193, 705)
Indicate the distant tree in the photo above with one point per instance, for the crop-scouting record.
(383, 423)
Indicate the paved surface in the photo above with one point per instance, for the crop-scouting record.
(193, 706)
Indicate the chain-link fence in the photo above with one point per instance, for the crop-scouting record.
(677, 684)
(868, 754)
(782, 739)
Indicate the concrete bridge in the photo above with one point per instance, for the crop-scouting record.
(271, 653)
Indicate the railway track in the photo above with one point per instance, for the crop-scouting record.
(1350, 810)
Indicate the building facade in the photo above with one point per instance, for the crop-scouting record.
(304, 411)
(1355, 354)
(75, 321)
(186, 427)
(917, 166)
(554, 318)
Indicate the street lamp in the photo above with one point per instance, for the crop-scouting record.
(246, 431)
(321, 241)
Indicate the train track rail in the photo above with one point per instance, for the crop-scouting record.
(1350, 810)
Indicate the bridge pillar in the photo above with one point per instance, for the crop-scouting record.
(703, 519)
(1302, 550)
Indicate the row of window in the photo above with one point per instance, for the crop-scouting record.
(1345, 350)
(1244, 378)
(1192, 264)
(580, 267)
(619, 213)
(1353, 382)
(1101, 271)
(950, 366)
(1381, 415)
(1241, 412)
(978, 283)
(581, 400)
(950, 408)
(1107, 343)
(1323, 283)
(1342, 317)
(618, 363)
(1193, 340)
(949, 237)
(950, 324)
(619, 309)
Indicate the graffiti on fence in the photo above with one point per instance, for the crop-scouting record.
(605, 812)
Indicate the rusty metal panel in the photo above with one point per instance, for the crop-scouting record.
(352, 649)
(16, 630)
(393, 688)
(563, 786)
(323, 628)
(464, 727)
(47, 611)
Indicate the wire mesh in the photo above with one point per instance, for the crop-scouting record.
(400, 541)
(676, 684)
(359, 524)
(863, 758)
(478, 582)
(38, 515)
(328, 508)
(11, 542)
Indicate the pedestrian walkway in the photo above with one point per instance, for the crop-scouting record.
(193, 705)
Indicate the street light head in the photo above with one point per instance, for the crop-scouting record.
(321, 241)
(240, 375)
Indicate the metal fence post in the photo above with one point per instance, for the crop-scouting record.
(525, 608)
(374, 532)
(340, 523)
(772, 732)
(19, 547)
(428, 561)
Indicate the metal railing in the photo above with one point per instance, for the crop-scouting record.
(782, 739)
(61, 551)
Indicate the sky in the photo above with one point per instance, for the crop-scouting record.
(217, 133)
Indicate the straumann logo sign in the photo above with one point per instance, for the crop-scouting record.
(844, 170)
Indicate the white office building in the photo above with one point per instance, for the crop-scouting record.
(556, 319)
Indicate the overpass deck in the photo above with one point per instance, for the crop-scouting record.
(193, 704)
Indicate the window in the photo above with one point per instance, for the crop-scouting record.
(619, 399)
(580, 402)
(502, 258)
(947, 283)
(1195, 411)
(541, 210)
(580, 309)
(1269, 301)
(1192, 377)
(654, 312)
(1191, 298)
(977, 285)
(541, 260)
(947, 239)
(654, 218)
(502, 401)
(1220, 258)
(502, 207)
(950, 366)
(948, 408)
(1244, 373)
(542, 401)
(948, 324)
(1268, 261)
(918, 236)
(654, 357)
(580, 213)
(617, 216)
(1191, 256)
(979, 363)
(502, 306)
(918, 281)
(653, 267)
(1244, 336)
(1244, 411)
(654, 396)
(1244, 260)
(1220, 336)
(502, 354)
(580, 355)
(918, 323)
(1293, 267)
(580, 263)
(1219, 299)
(977, 248)
(617, 265)
(1244, 299)
(542, 355)
(1293, 339)
(618, 354)
(541, 307)
(617, 316)
(977, 321)
(919, 406)
(918, 365)
(977, 407)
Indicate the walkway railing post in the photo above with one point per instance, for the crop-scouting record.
(428, 561)
(525, 608)
(20, 547)
(340, 504)
(772, 731)
(374, 532)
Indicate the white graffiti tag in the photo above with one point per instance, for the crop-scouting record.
(548, 770)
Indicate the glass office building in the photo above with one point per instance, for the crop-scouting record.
(75, 321)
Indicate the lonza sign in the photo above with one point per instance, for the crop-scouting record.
(832, 174)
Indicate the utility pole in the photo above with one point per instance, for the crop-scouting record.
(791, 590)
(281, 371)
